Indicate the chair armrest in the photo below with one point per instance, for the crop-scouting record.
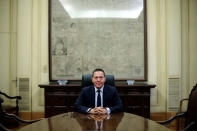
(181, 103)
(12, 116)
(3, 128)
(172, 118)
(191, 127)
(11, 97)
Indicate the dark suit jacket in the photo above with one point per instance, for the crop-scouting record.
(86, 99)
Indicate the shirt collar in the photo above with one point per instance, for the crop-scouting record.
(101, 89)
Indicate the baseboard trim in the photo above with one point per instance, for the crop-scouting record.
(31, 115)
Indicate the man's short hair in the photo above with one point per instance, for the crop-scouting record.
(98, 69)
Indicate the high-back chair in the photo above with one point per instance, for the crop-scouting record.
(9, 119)
(87, 80)
(14, 109)
(9, 108)
(190, 115)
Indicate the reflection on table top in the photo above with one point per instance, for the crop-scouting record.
(73, 121)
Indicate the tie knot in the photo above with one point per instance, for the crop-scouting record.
(98, 90)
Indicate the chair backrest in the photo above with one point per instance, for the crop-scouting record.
(87, 80)
(1, 101)
(191, 114)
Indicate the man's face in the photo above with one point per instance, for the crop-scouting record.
(98, 79)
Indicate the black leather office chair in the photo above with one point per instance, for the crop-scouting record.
(190, 116)
(87, 80)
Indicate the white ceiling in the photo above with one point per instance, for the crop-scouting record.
(103, 8)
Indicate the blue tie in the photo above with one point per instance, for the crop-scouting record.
(98, 98)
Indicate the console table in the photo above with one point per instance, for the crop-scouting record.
(61, 98)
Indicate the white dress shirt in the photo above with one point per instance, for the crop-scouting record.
(96, 96)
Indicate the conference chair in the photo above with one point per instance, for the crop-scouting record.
(14, 109)
(10, 108)
(9, 119)
(190, 115)
(87, 80)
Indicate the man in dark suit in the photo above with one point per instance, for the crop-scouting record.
(100, 98)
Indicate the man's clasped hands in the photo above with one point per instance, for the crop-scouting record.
(98, 110)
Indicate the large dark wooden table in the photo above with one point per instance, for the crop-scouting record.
(73, 121)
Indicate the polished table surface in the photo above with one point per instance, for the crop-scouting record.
(73, 121)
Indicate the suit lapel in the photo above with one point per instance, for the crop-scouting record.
(92, 96)
(104, 95)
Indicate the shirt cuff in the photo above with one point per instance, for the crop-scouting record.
(88, 111)
(108, 110)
